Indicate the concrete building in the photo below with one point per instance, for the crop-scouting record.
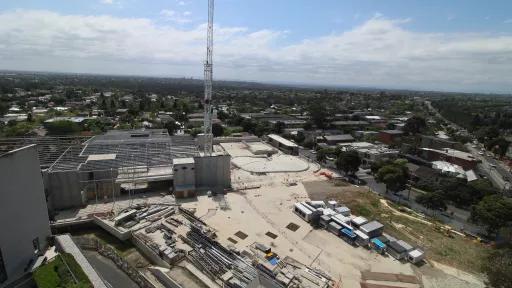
(23, 214)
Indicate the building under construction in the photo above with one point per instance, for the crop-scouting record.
(125, 162)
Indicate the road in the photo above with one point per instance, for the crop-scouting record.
(495, 170)
(108, 271)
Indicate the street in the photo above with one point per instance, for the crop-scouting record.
(109, 271)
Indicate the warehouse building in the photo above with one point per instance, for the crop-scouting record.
(283, 144)
(126, 162)
(23, 215)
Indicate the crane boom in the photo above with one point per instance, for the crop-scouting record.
(208, 78)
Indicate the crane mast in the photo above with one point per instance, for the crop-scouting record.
(208, 70)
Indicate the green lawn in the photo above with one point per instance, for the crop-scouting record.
(57, 274)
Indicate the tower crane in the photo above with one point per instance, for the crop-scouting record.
(208, 78)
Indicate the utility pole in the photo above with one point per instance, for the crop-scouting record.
(208, 78)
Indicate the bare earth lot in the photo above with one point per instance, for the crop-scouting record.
(262, 206)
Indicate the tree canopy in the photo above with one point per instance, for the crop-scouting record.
(217, 130)
(494, 211)
(348, 162)
(394, 175)
(432, 200)
(62, 127)
(415, 124)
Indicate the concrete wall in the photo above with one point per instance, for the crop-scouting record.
(122, 235)
(184, 175)
(148, 253)
(64, 243)
(165, 279)
(213, 172)
(68, 189)
(64, 190)
(23, 210)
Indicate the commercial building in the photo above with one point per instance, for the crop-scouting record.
(288, 121)
(336, 139)
(283, 144)
(463, 159)
(23, 214)
(350, 124)
(390, 136)
(433, 142)
(370, 153)
(124, 162)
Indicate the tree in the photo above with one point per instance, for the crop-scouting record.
(494, 211)
(348, 161)
(321, 155)
(432, 200)
(415, 124)
(217, 130)
(318, 114)
(375, 166)
(222, 115)
(17, 129)
(308, 125)
(498, 145)
(394, 175)
(172, 127)
(279, 127)
(498, 268)
(62, 127)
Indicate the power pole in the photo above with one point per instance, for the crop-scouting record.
(208, 78)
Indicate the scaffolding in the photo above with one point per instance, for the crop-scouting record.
(49, 148)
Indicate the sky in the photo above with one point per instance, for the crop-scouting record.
(442, 45)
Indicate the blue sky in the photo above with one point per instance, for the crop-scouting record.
(434, 45)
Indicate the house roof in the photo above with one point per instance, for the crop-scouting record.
(342, 137)
(371, 226)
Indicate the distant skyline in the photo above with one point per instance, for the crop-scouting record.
(435, 45)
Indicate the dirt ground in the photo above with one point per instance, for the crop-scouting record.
(267, 207)
(455, 251)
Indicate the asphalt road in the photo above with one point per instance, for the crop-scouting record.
(497, 171)
(108, 271)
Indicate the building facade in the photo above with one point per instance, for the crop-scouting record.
(23, 214)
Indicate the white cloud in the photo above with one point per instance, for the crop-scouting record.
(508, 21)
(107, 1)
(177, 17)
(181, 3)
(380, 52)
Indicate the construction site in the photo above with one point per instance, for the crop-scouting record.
(129, 162)
(207, 212)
